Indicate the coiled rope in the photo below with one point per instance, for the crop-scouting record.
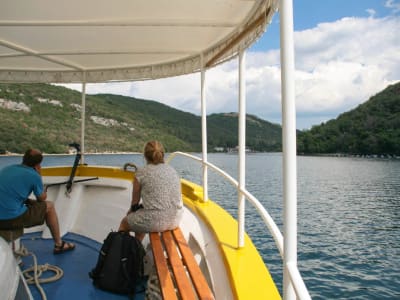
(32, 274)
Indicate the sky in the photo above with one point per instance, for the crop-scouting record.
(345, 52)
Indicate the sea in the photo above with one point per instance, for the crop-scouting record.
(348, 215)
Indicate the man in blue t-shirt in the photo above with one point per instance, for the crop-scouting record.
(17, 183)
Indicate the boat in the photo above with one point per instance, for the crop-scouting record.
(97, 41)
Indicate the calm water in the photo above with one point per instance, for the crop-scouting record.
(349, 217)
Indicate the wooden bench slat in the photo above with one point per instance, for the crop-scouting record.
(177, 267)
(183, 284)
(167, 286)
(198, 279)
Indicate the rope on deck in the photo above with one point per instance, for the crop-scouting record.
(38, 270)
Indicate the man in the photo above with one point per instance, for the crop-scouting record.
(17, 183)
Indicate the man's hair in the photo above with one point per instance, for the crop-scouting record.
(32, 157)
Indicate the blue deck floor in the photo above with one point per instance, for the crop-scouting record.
(75, 283)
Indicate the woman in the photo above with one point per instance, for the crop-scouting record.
(158, 186)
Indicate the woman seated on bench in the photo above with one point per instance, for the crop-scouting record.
(158, 186)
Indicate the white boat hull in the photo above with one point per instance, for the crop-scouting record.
(95, 207)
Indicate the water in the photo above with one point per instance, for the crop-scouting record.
(352, 206)
(348, 210)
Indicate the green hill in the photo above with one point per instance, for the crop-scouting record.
(371, 128)
(260, 135)
(48, 117)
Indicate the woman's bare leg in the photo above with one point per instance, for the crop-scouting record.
(140, 235)
(124, 225)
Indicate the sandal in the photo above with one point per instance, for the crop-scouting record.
(64, 247)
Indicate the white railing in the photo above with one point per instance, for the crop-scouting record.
(295, 276)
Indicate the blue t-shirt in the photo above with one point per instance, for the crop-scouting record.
(17, 182)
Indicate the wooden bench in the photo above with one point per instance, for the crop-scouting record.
(179, 275)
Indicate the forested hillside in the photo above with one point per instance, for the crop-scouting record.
(261, 135)
(48, 117)
(371, 128)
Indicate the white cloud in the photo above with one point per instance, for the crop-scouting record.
(371, 12)
(338, 66)
(342, 64)
(392, 4)
(180, 92)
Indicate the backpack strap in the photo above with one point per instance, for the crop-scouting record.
(125, 249)
(139, 255)
(103, 253)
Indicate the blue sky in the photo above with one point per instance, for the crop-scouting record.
(345, 52)
(308, 13)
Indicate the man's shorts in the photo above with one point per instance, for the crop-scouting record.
(35, 215)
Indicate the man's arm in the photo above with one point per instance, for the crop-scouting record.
(42, 197)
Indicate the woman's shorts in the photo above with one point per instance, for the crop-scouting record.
(153, 220)
(35, 215)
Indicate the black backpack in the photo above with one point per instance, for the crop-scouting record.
(120, 264)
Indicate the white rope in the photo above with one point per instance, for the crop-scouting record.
(38, 270)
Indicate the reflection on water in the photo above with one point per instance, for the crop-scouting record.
(352, 206)
(348, 209)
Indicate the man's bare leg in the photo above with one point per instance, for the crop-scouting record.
(52, 223)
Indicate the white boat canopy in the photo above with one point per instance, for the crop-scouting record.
(101, 40)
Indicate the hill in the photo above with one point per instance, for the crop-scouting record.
(371, 128)
(260, 135)
(48, 117)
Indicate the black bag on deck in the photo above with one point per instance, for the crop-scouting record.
(120, 264)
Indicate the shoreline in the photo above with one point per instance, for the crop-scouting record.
(73, 154)
(337, 155)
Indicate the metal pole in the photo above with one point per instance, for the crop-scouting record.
(242, 147)
(83, 116)
(289, 145)
(204, 130)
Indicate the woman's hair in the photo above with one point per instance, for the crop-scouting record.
(154, 152)
(32, 157)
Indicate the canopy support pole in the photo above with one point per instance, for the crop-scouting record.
(242, 147)
(204, 129)
(289, 145)
(83, 118)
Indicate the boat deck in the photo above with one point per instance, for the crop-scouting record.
(75, 283)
